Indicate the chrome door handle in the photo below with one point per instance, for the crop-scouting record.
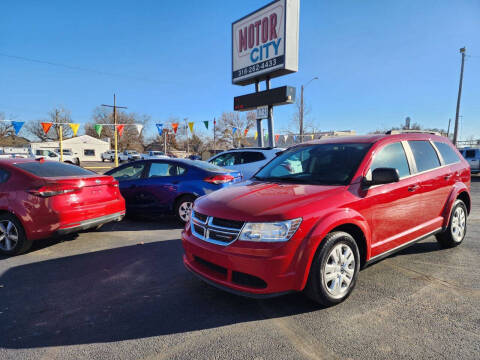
(413, 188)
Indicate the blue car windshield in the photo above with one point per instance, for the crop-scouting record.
(319, 164)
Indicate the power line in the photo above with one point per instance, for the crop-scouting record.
(76, 68)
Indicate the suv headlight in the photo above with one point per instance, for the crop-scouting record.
(270, 232)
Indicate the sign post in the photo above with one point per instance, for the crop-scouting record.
(265, 46)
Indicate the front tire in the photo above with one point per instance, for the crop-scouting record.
(334, 270)
(183, 208)
(13, 240)
(457, 227)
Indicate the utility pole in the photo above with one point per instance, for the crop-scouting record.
(114, 106)
(448, 129)
(302, 110)
(165, 134)
(214, 139)
(186, 131)
(60, 134)
(457, 113)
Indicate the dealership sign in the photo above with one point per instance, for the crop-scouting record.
(265, 43)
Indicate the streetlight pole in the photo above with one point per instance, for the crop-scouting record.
(302, 106)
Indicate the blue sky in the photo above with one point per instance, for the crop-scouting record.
(377, 61)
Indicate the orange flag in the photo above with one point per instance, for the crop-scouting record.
(246, 132)
(277, 137)
(120, 129)
(46, 127)
(175, 127)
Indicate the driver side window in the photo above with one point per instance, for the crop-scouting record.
(131, 172)
(392, 156)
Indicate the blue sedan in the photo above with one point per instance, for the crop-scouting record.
(162, 186)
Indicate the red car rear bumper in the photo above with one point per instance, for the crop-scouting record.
(264, 272)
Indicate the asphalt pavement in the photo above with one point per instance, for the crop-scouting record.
(123, 293)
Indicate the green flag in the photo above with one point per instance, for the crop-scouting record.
(98, 129)
(206, 124)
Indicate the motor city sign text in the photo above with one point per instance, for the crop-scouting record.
(258, 42)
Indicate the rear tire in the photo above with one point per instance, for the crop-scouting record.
(13, 239)
(457, 227)
(334, 270)
(183, 208)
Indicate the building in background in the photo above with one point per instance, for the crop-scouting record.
(85, 147)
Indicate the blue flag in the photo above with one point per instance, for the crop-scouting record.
(294, 138)
(160, 129)
(233, 130)
(17, 125)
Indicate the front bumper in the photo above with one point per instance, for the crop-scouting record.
(90, 223)
(242, 268)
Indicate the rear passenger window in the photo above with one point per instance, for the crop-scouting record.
(392, 156)
(250, 156)
(425, 155)
(469, 154)
(448, 154)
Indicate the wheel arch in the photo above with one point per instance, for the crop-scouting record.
(348, 221)
(459, 191)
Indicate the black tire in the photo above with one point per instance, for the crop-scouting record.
(451, 237)
(22, 245)
(180, 205)
(103, 160)
(318, 288)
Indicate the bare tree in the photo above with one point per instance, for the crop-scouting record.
(308, 123)
(55, 116)
(6, 128)
(225, 132)
(130, 138)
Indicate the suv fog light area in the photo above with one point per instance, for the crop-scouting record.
(270, 232)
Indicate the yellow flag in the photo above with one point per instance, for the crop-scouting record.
(190, 125)
(312, 136)
(74, 128)
(256, 135)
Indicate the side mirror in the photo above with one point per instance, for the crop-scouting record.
(383, 176)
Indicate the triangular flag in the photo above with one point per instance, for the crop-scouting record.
(139, 128)
(294, 138)
(160, 129)
(285, 137)
(206, 124)
(175, 127)
(46, 127)
(17, 125)
(98, 129)
(234, 130)
(74, 128)
(277, 137)
(245, 132)
(190, 125)
(120, 129)
(256, 135)
(312, 136)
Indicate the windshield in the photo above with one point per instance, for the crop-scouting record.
(322, 164)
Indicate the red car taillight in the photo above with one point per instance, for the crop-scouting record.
(114, 184)
(219, 179)
(52, 190)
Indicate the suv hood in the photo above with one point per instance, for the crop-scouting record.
(263, 201)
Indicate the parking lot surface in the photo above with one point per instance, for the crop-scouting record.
(122, 292)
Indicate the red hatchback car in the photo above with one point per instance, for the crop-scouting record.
(40, 198)
(318, 212)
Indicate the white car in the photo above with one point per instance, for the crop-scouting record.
(129, 155)
(54, 156)
(154, 155)
(246, 160)
(108, 155)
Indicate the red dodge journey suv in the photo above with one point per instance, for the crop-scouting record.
(318, 212)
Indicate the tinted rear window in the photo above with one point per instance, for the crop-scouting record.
(206, 166)
(53, 169)
(448, 154)
(470, 154)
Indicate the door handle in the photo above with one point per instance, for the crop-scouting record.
(448, 177)
(413, 188)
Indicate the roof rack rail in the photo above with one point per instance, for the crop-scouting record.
(253, 148)
(393, 132)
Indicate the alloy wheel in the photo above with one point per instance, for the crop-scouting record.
(458, 224)
(8, 235)
(339, 270)
(184, 210)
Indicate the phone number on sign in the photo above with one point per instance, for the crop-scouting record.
(257, 67)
